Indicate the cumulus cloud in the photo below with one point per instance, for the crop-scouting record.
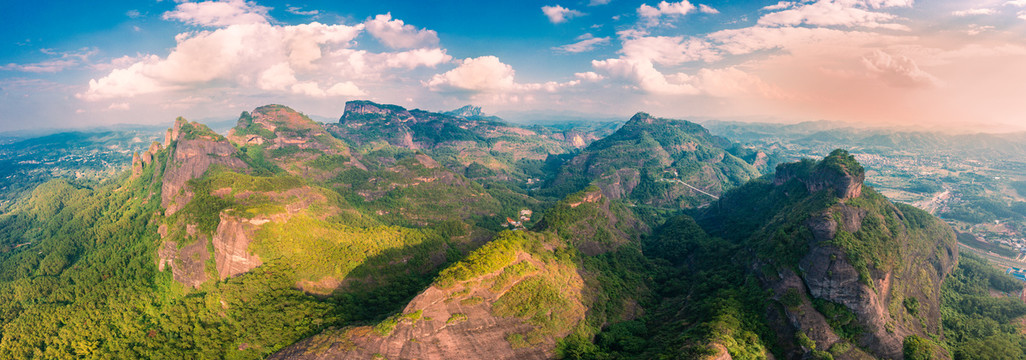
(559, 14)
(312, 59)
(899, 71)
(665, 8)
(398, 35)
(1019, 3)
(975, 11)
(1021, 15)
(218, 13)
(488, 75)
(587, 42)
(480, 74)
(833, 13)
(644, 76)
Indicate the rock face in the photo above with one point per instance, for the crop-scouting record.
(866, 258)
(837, 172)
(479, 336)
(231, 246)
(829, 273)
(186, 262)
(189, 159)
(468, 111)
(362, 107)
(463, 320)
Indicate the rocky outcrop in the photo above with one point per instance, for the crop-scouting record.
(465, 112)
(838, 172)
(187, 263)
(231, 245)
(358, 110)
(462, 320)
(189, 159)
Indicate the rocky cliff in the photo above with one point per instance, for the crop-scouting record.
(194, 148)
(855, 273)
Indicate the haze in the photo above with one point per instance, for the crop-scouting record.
(950, 65)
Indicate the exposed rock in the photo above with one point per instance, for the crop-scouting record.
(231, 245)
(363, 107)
(189, 160)
(838, 172)
(448, 328)
(137, 165)
(468, 111)
(829, 274)
(187, 263)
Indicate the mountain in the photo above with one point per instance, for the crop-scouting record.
(483, 148)
(658, 162)
(515, 297)
(828, 248)
(289, 238)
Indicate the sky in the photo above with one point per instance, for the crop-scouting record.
(943, 65)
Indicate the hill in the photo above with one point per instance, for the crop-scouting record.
(658, 162)
(288, 239)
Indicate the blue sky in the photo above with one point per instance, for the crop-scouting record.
(941, 64)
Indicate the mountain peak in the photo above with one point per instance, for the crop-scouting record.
(361, 109)
(467, 111)
(838, 171)
(642, 117)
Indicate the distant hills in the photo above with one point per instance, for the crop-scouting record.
(398, 233)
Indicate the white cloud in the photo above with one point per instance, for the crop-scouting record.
(899, 71)
(62, 60)
(558, 14)
(975, 11)
(397, 35)
(590, 76)
(587, 43)
(488, 75)
(779, 6)
(299, 11)
(668, 50)
(879, 4)
(219, 13)
(134, 14)
(706, 9)
(598, 2)
(482, 74)
(833, 13)
(312, 59)
(1021, 15)
(1019, 3)
(665, 8)
(49, 66)
(644, 76)
(415, 58)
